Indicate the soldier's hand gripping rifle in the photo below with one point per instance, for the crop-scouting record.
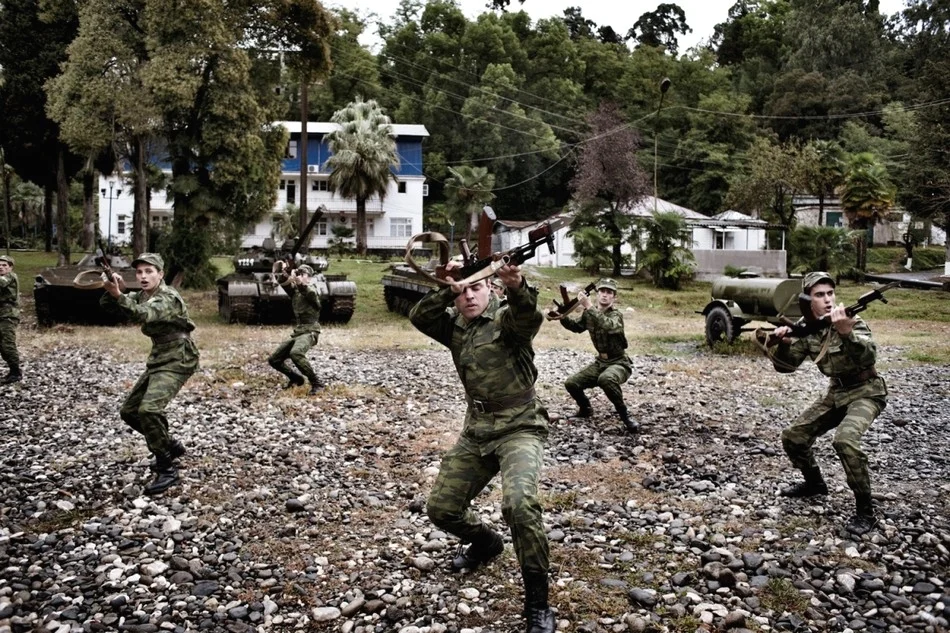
(561, 310)
(287, 263)
(811, 325)
(96, 278)
(483, 263)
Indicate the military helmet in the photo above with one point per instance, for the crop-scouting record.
(149, 258)
(607, 284)
(7, 259)
(304, 269)
(498, 283)
(814, 278)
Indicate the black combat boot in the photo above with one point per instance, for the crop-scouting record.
(486, 546)
(293, 378)
(863, 521)
(166, 475)
(315, 386)
(538, 615)
(814, 484)
(584, 410)
(631, 425)
(175, 450)
(12, 376)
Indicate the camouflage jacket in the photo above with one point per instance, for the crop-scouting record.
(494, 357)
(9, 296)
(846, 356)
(306, 304)
(161, 315)
(606, 332)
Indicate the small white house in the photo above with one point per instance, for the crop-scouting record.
(390, 222)
(728, 239)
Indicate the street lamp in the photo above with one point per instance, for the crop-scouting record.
(664, 86)
(118, 192)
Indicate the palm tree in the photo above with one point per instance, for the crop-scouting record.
(467, 190)
(866, 196)
(667, 258)
(363, 155)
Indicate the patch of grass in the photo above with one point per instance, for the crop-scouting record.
(60, 520)
(585, 598)
(781, 596)
(559, 501)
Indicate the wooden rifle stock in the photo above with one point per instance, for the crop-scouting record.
(563, 309)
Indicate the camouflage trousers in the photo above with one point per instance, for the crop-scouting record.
(295, 348)
(144, 408)
(850, 422)
(608, 376)
(465, 472)
(8, 349)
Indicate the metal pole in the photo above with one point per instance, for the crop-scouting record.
(664, 86)
(109, 240)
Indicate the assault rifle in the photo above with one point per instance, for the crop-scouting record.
(104, 261)
(810, 325)
(290, 259)
(483, 262)
(561, 310)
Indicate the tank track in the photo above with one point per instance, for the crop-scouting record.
(235, 309)
(340, 309)
(400, 300)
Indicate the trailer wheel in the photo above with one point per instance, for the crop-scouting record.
(719, 326)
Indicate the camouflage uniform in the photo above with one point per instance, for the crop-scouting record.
(612, 367)
(848, 408)
(494, 357)
(306, 306)
(174, 357)
(9, 318)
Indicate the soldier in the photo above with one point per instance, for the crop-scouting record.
(612, 367)
(504, 430)
(856, 396)
(498, 287)
(306, 306)
(9, 318)
(174, 357)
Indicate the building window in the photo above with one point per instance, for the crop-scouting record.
(291, 150)
(320, 228)
(291, 192)
(402, 186)
(283, 184)
(120, 224)
(400, 227)
(318, 185)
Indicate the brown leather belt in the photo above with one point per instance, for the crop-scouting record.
(168, 338)
(494, 406)
(857, 379)
(604, 356)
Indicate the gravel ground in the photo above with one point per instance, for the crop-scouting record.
(301, 513)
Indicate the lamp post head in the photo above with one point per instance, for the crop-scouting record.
(665, 85)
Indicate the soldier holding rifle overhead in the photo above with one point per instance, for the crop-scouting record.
(845, 352)
(504, 430)
(612, 367)
(306, 307)
(174, 357)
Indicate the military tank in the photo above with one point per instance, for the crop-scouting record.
(403, 287)
(251, 293)
(736, 302)
(70, 294)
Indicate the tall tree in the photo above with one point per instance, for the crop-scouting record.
(607, 169)
(773, 175)
(867, 194)
(363, 155)
(467, 191)
(824, 169)
(660, 27)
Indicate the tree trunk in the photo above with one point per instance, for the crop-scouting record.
(821, 209)
(89, 216)
(8, 234)
(62, 208)
(302, 155)
(141, 211)
(48, 217)
(361, 226)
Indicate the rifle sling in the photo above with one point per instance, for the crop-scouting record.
(432, 237)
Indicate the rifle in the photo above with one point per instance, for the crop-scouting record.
(811, 325)
(561, 310)
(290, 259)
(104, 261)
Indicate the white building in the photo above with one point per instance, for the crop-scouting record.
(390, 222)
(728, 239)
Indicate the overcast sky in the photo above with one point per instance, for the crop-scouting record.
(701, 15)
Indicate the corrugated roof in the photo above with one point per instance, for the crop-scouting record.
(323, 127)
